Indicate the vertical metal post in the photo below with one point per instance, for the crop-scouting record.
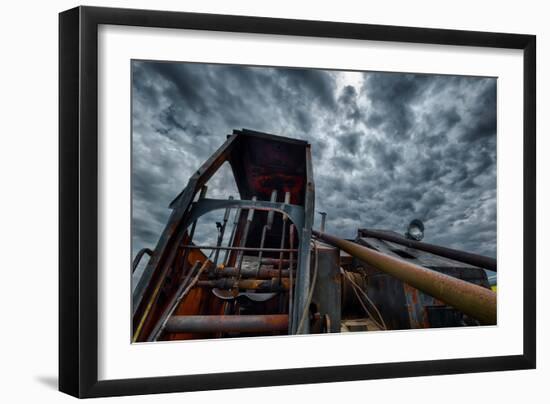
(291, 280)
(323, 220)
(302, 269)
(202, 195)
(222, 232)
(283, 235)
(233, 234)
(267, 226)
(249, 219)
(327, 294)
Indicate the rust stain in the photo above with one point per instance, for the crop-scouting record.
(264, 184)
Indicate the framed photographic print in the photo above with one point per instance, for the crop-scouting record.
(304, 201)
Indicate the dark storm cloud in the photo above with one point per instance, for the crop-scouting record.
(350, 142)
(348, 98)
(344, 163)
(386, 147)
(313, 84)
(483, 112)
(386, 155)
(392, 97)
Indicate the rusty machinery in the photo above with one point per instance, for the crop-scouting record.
(272, 223)
(272, 277)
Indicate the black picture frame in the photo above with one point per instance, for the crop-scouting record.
(78, 200)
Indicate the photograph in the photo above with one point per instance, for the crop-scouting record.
(271, 201)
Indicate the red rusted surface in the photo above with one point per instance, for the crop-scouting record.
(198, 301)
(263, 163)
(263, 184)
(418, 315)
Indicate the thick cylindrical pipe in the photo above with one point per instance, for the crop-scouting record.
(473, 300)
(223, 323)
(462, 256)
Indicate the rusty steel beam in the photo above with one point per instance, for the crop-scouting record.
(225, 323)
(473, 300)
(457, 255)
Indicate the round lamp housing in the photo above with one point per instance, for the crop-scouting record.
(415, 231)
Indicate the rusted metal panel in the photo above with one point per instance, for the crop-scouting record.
(388, 294)
(346, 260)
(262, 163)
(327, 295)
(418, 316)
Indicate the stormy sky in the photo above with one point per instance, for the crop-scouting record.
(387, 147)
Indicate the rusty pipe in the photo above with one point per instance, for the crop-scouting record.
(473, 300)
(275, 261)
(264, 273)
(457, 255)
(273, 284)
(224, 323)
